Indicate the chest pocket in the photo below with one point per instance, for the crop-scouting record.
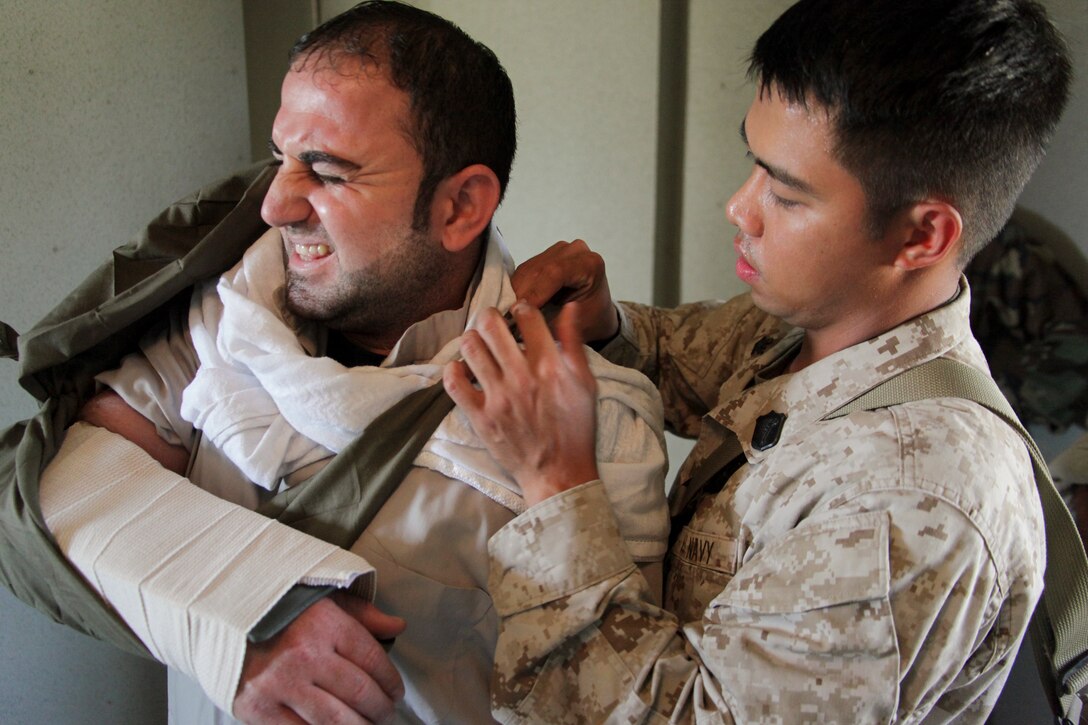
(703, 558)
(700, 565)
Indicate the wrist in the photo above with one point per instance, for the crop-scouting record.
(541, 488)
(607, 332)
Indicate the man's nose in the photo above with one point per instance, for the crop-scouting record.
(743, 210)
(285, 203)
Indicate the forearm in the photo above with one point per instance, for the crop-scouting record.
(188, 572)
(811, 622)
(688, 351)
(108, 410)
(606, 606)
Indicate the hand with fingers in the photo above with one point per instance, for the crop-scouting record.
(570, 273)
(535, 410)
(328, 666)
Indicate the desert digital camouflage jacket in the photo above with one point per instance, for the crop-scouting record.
(879, 567)
(1030, 315)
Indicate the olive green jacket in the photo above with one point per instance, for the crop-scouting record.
(199, 236)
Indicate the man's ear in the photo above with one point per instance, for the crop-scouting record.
(463, 206)
(933, 230)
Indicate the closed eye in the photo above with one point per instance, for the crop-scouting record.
(275, 151)
(325, 178)
(783, 201)
(312, 158)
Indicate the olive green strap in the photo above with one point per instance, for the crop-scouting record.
(338, 502)
(1060, 622)
(685, 496)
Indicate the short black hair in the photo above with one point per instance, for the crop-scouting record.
(461, 100)
(953, 99)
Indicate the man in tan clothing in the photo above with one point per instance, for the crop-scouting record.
(393, 146)
(876, 567)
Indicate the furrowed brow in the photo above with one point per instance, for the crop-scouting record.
(311, 158)
(317, 157)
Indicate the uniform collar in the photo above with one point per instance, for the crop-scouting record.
(762, 414)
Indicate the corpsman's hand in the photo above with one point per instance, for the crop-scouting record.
(570, 273)
(326, 667)
(536, 411)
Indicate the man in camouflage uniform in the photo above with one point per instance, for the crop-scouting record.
(877, 567)
(1029, 312)
(1031, 317)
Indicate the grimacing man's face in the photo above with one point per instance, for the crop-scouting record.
(343, 200)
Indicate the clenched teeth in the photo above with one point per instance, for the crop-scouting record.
(311, 251)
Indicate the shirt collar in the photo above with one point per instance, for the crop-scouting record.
(815, 391)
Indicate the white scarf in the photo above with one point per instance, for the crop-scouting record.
(264, 399)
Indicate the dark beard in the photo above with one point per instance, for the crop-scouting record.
(389, 298)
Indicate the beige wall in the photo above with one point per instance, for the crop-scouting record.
(1059, 190)
(108, 111)
(584, 74)
(715, 165)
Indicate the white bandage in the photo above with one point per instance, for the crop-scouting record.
(188, 572)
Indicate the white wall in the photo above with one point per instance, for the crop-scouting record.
(109, 110)
(585, 78)
(722, 34)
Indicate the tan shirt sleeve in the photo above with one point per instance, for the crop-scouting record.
(689, 351)
(834, 619)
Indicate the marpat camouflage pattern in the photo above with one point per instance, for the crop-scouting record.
(879, 567)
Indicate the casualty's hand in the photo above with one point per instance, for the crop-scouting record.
(326, 666)
(570, 273)
(536, 411)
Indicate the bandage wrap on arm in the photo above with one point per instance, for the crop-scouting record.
(188, 572)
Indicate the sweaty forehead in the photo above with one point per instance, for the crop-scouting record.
(795, 143)
(345, 103)
(332, 63)
(773, 119)
(346, 81)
